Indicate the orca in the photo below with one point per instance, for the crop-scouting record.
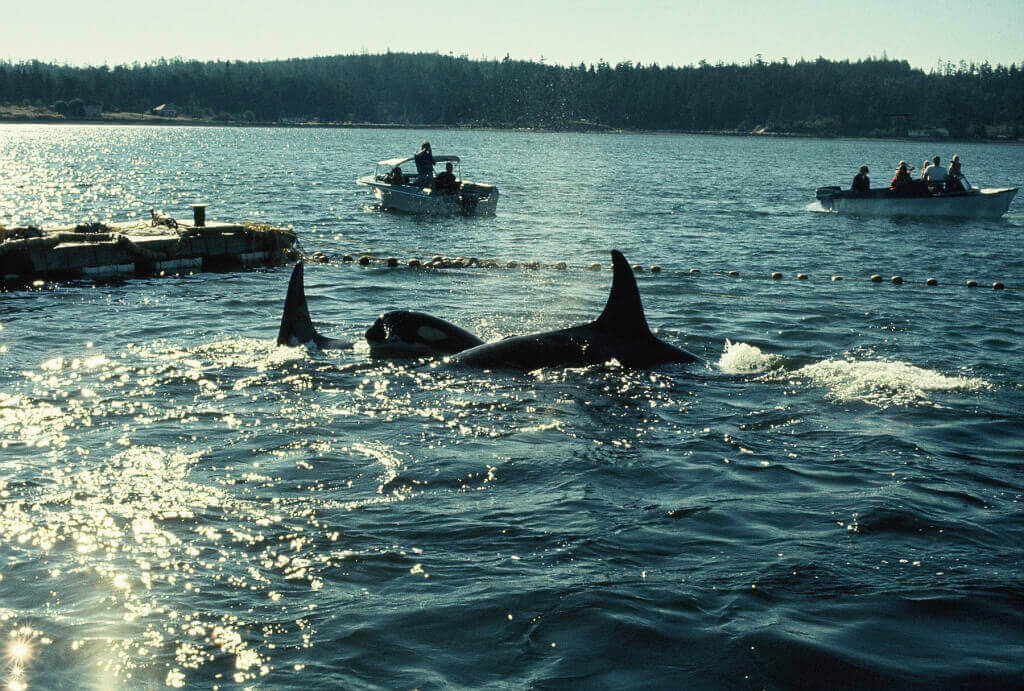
(407, 334)
(620, 333)
(399, 334)
(296, 326)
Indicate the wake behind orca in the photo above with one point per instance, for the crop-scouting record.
(620, 333)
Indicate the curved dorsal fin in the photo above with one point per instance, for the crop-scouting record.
(624, 313)
(296, 326)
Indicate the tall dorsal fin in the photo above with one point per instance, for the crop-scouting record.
(296, 326)
(624, 313)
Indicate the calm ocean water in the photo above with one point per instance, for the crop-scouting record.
(833, 501)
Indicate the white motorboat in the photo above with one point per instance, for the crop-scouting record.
(403, 194)
(986, 203)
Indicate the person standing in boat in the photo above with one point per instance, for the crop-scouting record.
(954, 178)
(425, 165)
(861, 182)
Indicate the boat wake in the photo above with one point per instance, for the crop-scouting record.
(875, 382)
(882, 384)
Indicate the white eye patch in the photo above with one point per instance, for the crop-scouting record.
(430, 334)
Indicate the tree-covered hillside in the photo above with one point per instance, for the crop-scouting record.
(872, 97)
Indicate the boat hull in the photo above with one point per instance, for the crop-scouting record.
(990, 203)
(471, 200)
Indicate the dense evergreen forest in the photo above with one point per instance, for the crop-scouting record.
(871, 97)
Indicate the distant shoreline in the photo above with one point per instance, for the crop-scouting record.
(152, 121)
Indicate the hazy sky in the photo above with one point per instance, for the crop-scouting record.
(561, 31)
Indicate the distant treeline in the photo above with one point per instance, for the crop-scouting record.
(871, 97)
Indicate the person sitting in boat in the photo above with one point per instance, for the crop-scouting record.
(901, 180)
(955, 178)
(445, 182)
(861, 182)
(924, 169)
(425, 165)
(935, 173)
(395, 177)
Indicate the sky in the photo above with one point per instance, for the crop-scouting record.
(563, 32)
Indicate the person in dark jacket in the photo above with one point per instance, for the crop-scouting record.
(861, 182)
(445, 182)
(425, 165)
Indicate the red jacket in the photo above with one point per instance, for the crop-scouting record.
(902, 177)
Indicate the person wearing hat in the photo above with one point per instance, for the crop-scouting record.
(955, 178)
(901, 180)
(861, 182)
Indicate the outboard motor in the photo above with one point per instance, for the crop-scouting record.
(469, 201)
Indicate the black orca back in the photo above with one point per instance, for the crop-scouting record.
(620, 333)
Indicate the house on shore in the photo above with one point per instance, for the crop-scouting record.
(929, 133)
(165, 110)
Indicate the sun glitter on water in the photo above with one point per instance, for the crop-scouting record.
(19, 652)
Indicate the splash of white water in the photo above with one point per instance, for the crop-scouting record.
(882, 383)
(743, 358)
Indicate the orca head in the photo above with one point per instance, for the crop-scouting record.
(296, 326)
(407, 334)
